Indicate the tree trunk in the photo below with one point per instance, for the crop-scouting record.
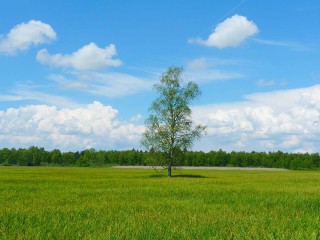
(169, 169)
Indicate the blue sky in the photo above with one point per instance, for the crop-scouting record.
(79, 74)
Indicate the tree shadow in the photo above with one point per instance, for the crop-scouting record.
(177, 176)
(157, 176)
(188, 176)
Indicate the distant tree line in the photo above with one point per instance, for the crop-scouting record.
(35, 156)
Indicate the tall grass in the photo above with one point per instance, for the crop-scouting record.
(105, 203)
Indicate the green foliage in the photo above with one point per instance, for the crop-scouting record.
(56, 156)
(169, 127)
(103, 203)
(35, 156)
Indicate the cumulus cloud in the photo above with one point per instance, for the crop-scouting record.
(280, 120)
(94, 125)
(25, 35)
(230, 33)
(89, 57)
(261, 122)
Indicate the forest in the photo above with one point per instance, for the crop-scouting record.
(38, 156)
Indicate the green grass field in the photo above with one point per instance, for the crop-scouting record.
(105, 203)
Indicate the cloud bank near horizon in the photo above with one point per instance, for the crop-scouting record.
(264, 122)
(261, 122)
(91, 126)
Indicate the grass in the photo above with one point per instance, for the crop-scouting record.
(106, 203)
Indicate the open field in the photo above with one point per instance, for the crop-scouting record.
(107, 203)
(206, 168)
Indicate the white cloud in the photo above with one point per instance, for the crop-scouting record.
(292, 45)
(265, 83)
(97, 84)
(24, 35)
(27, 93)
(8, 98)
(279, 120)
(203, 70)
(94, 125)
(198, 64)
(89, 57)
(105, 84)
(135, 118)
(291, 141)
(230, 33)
(210, 75)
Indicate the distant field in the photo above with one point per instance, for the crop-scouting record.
(206, 168)
(106, 203)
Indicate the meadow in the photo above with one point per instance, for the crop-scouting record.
(107, 203)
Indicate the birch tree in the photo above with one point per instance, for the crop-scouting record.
(169, 127)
